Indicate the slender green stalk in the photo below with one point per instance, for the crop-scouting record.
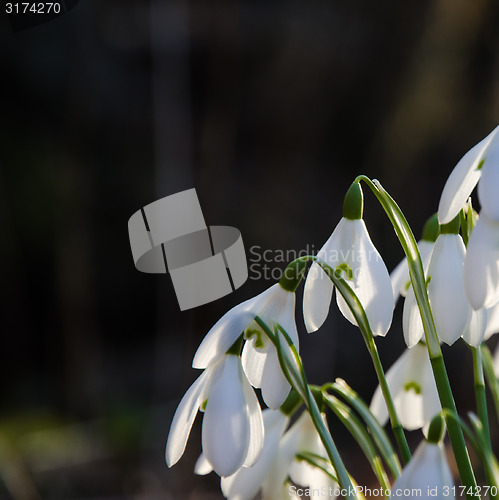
(480, 396)
(293, 370)
(492, 381)
(377, 432)
(408, 242)
(360, 434)
(363, 323)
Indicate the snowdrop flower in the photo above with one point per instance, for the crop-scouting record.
(474, 334)
(413, 389)
(450, 307)
(428, 470)
(259, 358)
(481, 266)
(350, 250)
(480, 161)
(232, 431)
(247, 481)
(400, 278)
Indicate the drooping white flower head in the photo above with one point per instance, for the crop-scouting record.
(260, 361)
(481, 160)
(413, 389)
(232, 431)
(450, 307)
(427, 472)
(247, 481)
(350, 250)
(481, 266)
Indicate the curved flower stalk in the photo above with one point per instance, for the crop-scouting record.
(400, 278)
(479, 161)
(232, 431)
(276, 305)
(350, 250)
(450, 307)
(428, 470)
(413, 388)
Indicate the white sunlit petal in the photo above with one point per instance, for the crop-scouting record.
(412, 324)
(461, 182)
(481, 265)
(275, 387)
(253, 361)
(428, 469)
(492, 323)
(245, 483)
(488, 187)
(184, 418)
(475, 331)
(202, 467)
(230, 326)
(450, 307)
(370, 279)
(256, 424)
(317, 295)
(226, 425)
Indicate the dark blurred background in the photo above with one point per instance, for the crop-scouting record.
(269, 109)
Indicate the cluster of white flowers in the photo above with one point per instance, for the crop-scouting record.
(258, 451)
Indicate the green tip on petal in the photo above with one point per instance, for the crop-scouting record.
(353, 206)
(293, 275)
(436, 430)
(431, 229)
(292, 403)
(452, 227)
(235, 348)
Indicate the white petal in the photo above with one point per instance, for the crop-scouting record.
(256, 424)
(228, 328)
(462, 180)
(226, 424)
(475, 332)
(317, 295)
(245, 483)
(428, 469)
(412, 324)
(451, 310)
(253, 361)
(202, 467)
(275, 387)
(488, 186)
(492, 326)
(370, 279)
(481, 265)
(183, 419)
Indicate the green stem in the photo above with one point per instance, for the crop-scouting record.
(360, 434)
(363, 323)
(492, 381)
(292, 368)
(481, 398)
(408, 242)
